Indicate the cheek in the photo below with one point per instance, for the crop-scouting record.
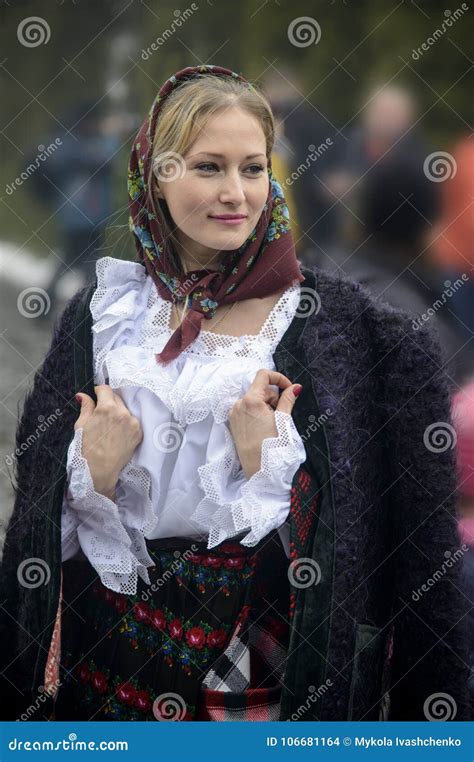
(184, 203)
(259, 196)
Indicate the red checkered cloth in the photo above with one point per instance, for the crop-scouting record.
(245, 682)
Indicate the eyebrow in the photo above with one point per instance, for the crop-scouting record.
(221, 156)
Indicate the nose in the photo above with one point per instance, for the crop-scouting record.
(231, 190)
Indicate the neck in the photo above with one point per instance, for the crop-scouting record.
(198, 258)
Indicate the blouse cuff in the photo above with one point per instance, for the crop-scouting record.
(259, 504)
(111, 535)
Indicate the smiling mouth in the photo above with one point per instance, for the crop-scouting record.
(229, 220)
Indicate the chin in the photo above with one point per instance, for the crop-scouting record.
(226, 243)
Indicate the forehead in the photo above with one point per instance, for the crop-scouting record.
(230, 131)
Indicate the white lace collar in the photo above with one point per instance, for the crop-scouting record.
(126, 292)
(214, 344)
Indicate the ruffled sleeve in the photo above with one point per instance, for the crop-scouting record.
(117, 306)
(234, 504)
(111, 534)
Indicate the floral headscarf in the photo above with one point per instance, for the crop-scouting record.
(263, 265)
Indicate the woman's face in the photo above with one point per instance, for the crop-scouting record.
(225, 173)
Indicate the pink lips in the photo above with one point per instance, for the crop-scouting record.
(229, 219)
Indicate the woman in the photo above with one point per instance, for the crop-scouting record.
(241, 512)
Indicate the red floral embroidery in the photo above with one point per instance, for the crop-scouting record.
(176, 629)
(142, 612)
(196, 637)
(234, 563)
(213, 562)
(99, 682)
(142, 701)
(126, 693)
(158, 619)
(216, 638)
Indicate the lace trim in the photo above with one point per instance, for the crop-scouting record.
(116, 551)
(124, 355)
(126, 293)
(265, 497)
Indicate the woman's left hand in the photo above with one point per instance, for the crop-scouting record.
(252, 419)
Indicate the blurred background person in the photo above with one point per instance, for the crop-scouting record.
(398, 206)
(453, 237)
(76, 182)
(389, 218)
(386, 125)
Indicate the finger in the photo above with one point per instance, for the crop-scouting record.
(288, 399)
(264, 378)
(271, 397)
(104, 394)
(87, 408)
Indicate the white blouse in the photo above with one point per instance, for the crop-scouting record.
(184, 478)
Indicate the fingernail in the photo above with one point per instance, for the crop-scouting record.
(77, 397)
(297, 390)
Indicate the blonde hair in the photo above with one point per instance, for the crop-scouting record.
(185, 112)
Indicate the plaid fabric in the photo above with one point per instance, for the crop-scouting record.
(253, 655)
(245, 682)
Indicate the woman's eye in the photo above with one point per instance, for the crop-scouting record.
(255, 168)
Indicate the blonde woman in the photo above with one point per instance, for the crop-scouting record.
(232, 526)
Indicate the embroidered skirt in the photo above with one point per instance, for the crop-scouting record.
(206, 640)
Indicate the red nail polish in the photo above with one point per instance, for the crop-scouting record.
(297, 390)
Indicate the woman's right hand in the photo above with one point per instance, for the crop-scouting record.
(110, 437)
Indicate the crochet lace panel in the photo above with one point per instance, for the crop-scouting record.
(264, 500)
(148, 316)
(113, 539)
